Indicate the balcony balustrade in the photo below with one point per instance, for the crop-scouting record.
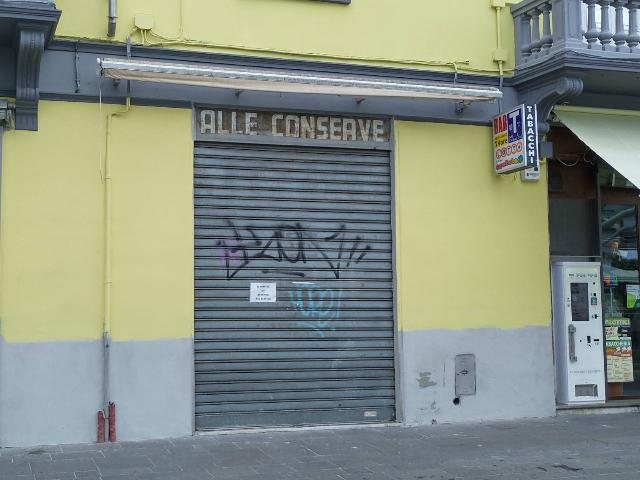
(606, 28)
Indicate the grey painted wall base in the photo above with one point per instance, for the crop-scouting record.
(514, 368)
(152, 387)
(49, 392)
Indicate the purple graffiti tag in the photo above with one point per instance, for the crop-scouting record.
(229, 256)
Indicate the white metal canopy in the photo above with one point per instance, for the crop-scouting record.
(613, 135)
(240, 78)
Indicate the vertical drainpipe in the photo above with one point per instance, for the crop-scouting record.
(1, 135)
(7, 110)
(500, 61)
(108, 406)
(113, 16)
(6, 122)
(499, 54)
(106, 327)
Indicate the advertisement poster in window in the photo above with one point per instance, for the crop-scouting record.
(619, 350)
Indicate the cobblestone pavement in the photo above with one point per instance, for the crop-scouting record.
(605, 447)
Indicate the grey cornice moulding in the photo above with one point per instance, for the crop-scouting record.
(30, 47)
(547, 94)
(577, 61)
(42, 12)
(578, 76)
(60, 81)
(31, 27)
(315, 66)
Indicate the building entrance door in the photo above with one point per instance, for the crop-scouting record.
(619, 220)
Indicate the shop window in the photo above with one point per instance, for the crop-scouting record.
(573, 208)
(619, 217)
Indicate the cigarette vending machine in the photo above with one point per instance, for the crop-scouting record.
(578, 332)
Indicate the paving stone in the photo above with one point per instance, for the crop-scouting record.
(174, 476)
(135, 451)
(122, 461)
(75, 455)
(10, 467)
(195, 468)
(241, 457)
(93, 475)
(55, 476)
(315, 464)
(62, 466)
(166, 469)
(118, 476)
(324, 475)
(580, 447)
(275, 471)
(131, 472)
(80, 447)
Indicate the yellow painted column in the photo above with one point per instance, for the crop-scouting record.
(152, 170)
(473, 246)
(473, 279)
(52, 227)
(52, 232)
(52, 274)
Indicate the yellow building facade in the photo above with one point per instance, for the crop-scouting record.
(239, 276)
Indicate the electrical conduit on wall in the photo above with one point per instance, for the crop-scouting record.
(150, 37)
(113, 18)
(108, 411)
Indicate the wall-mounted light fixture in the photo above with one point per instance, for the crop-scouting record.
(242, 78)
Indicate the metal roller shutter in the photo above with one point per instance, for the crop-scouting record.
(317, 223)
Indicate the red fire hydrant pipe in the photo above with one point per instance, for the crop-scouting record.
(101, 427)
(112, 422)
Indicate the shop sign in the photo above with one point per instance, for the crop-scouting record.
(216, 123)
(515, 140)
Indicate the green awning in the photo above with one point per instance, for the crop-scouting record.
(613, 134)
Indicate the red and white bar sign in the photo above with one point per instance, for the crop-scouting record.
(515, 139)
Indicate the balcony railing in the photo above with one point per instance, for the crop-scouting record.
(543, 27)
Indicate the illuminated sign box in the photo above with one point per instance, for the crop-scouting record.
(515, 139)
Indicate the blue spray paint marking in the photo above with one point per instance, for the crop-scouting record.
(320, 306)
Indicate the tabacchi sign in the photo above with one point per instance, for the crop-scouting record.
(515, 139)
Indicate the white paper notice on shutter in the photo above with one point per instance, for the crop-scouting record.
(262, 293)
